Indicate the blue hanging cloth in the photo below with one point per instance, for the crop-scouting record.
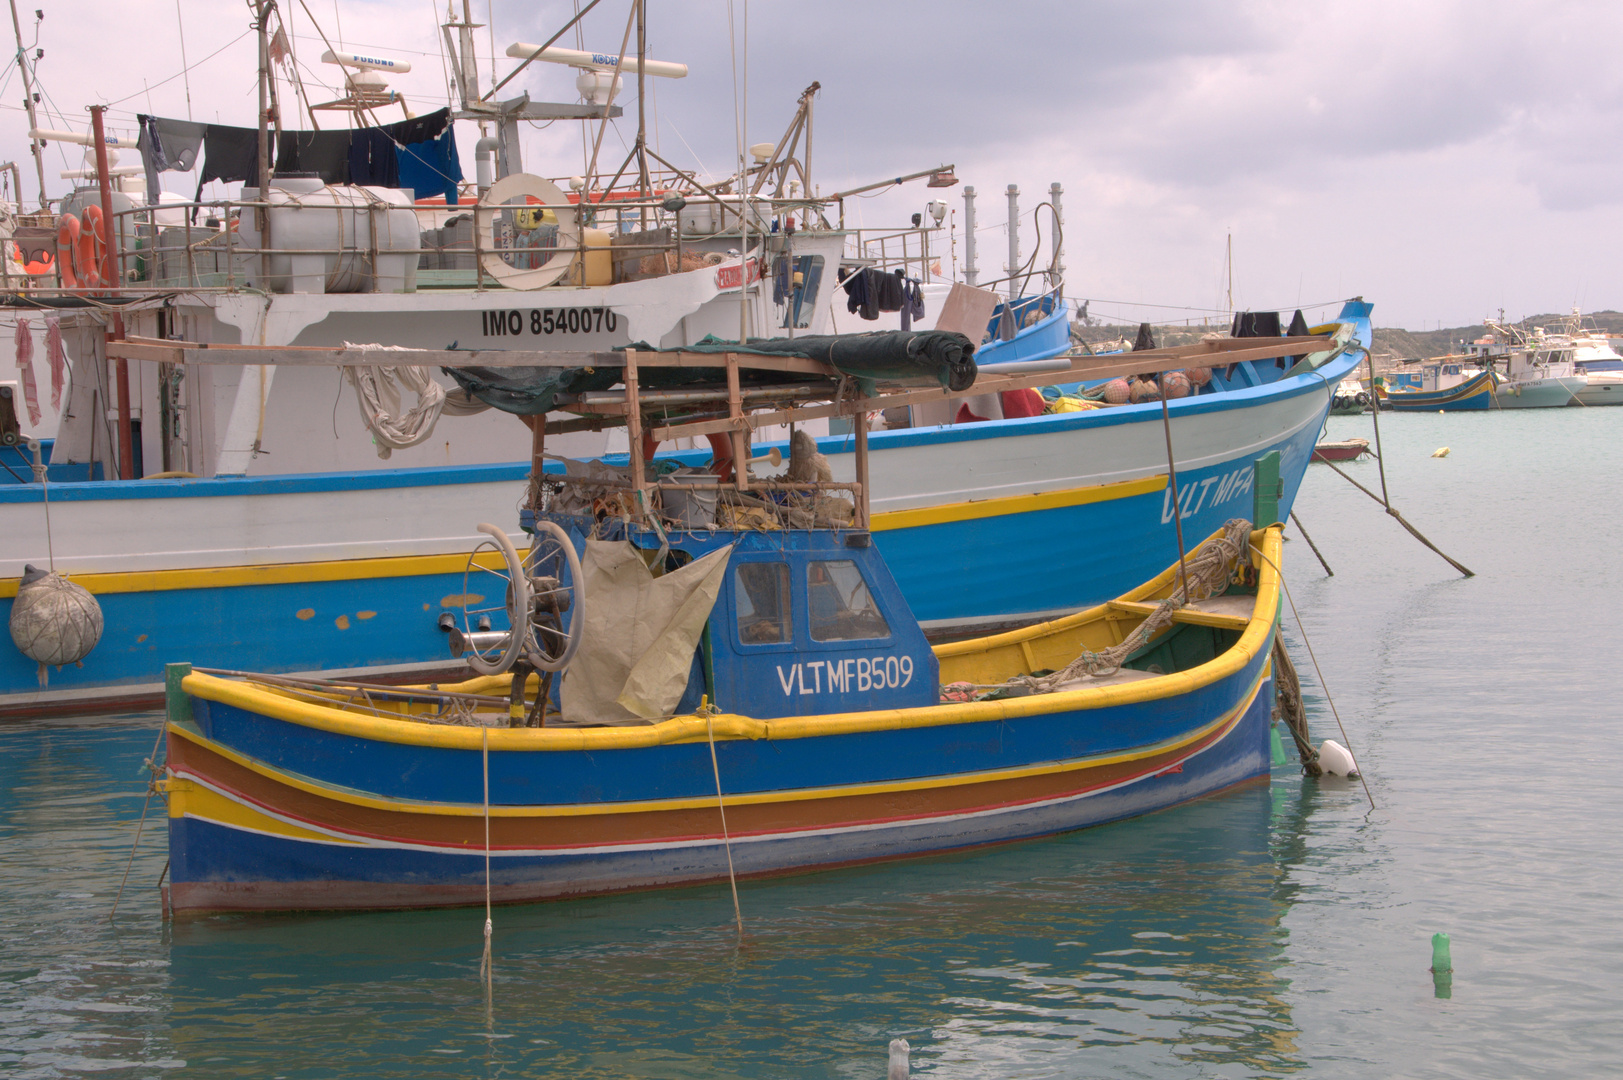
(431, 167)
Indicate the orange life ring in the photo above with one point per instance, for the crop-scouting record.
(721, 455)
(67, 238)
(92, 247)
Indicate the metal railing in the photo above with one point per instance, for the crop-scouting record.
(155, 254)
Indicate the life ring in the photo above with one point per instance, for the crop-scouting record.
(92, 247)
(721, 455)
(67, 239)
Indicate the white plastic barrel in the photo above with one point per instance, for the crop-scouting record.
(337, 239)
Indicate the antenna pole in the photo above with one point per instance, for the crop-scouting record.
(642, 116)
(261, 217)
(28, 103)
(1228, 257)
(971, 272)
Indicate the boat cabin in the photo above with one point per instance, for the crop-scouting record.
(805, 622)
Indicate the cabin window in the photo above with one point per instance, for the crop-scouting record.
(762, 590)
(799, 301)
(841, 607)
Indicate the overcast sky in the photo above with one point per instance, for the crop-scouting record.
(1440, 158)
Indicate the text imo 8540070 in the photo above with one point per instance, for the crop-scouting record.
(544, 321)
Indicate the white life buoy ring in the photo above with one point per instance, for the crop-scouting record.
(545, 192)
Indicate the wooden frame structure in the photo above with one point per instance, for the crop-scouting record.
(731, 409)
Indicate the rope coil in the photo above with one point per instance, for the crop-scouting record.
(1205, 574)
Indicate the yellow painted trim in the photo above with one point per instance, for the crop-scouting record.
(1014, 504)
(190, 798)
(684, 729)
(215, 577)
(355, 798)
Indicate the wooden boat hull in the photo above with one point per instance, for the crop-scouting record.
(1473, 395)
(274, 578)
(1346, 450)
(1554, 392)
(278, 804)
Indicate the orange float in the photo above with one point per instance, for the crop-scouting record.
(721, 455)
(92, 247)
(67, 240)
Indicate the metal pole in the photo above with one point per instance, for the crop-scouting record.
(261, 215)
(126, 440)
(970, 272)
(109, 266)
(28, 103)
(1056, 270)
(642, 123)
(1014, 243)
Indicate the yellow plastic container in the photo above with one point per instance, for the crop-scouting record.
(599, 259)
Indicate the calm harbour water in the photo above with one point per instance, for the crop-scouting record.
(1272, 931)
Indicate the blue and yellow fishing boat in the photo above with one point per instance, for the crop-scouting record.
(686, 678)
(1445, 387)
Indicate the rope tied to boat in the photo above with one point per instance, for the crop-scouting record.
(486, 972)
(377, 394)
(1206, 573)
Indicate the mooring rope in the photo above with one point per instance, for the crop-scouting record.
(152, 787)
(1204, 573)
(732, 877)
(485, 965)
(1302, 629)
(1288, 691)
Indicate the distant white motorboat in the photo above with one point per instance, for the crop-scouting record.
(1538, 371)
(1600, 365)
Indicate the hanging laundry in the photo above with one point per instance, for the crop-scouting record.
(25, 365)
(167, 146)
(56, 357)
(372, 158)
(888, 288)
(229, 155)
(418, 128)
(325, 153)
(912, 302)
(431, 167)
(861, 294)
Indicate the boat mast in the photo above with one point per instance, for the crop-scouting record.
(262, 9)
(642, 122)
(34, 144)
(1228, 258)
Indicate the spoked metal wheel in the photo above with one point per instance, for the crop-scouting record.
(557, 586)
(486, 591)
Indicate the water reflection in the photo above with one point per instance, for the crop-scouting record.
(1149, 946)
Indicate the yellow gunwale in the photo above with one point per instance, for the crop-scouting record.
(216, 577)
(292, 573)
(356, 798)
(1253, 641)
(1015, 504)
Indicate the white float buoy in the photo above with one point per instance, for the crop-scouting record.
(899, 1066)
(1337, 760)
(1441, 451)
(54, 621)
